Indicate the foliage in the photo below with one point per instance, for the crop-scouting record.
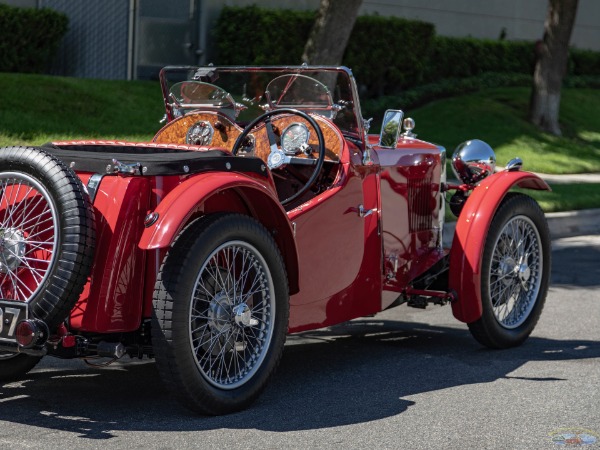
(413, 98)
(467, 57)
(584, 62)
(257, 36)
(29, 37)
(499, 117)
(388, 55)
(379, 60)
(56, 108)
(453, 87)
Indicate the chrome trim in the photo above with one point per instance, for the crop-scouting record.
(408, 124)
(119, 167)
(514, 164)
(201, 133)
(388, 137)
(366, 160)
(442, 196)
(291, 125)
(92, 185)
(472, 161)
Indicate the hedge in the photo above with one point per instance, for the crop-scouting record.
(468, 57)
(390, 58)
(257, 36)
(29, 38)
(388, 55)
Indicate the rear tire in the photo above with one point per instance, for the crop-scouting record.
(47, 233)
(47, 241)
(515, 273)
(221, 308)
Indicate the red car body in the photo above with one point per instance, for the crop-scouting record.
(366, 237)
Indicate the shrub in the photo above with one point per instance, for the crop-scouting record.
(388, 55)
(258, 36)
(390, 58)
(584, 62)
(29, 38)
(467, 57)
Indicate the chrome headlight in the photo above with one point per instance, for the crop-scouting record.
(473, 160)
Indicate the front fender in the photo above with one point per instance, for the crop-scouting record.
(189, 198)
(469, 238)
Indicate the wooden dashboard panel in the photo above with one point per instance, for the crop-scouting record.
(226, 132)
(175, 132)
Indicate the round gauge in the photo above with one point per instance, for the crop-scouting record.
(293, 137)
(200, 133)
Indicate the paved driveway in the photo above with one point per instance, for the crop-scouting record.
(403, 379)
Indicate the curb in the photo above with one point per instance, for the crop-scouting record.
(574, 223)
(561, 225)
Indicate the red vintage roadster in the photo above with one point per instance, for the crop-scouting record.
(262, 207)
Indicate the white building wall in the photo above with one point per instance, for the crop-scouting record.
(522, 19)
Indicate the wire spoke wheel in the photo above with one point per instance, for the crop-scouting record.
(515, 273)
(47, 241)
(231, 314)
(28, 236)
(221, 309)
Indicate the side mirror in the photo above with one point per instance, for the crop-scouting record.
(390, 128)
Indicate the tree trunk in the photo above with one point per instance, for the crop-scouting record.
(552, 55)
(330, 33)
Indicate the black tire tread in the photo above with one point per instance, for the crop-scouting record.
(483, 329)
(77, 234)
(168, 362)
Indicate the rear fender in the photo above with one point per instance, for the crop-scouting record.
(469, 238)
(216, 192)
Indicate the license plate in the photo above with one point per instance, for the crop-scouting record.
(11, 313)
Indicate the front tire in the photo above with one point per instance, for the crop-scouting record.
(221, 308)
(515, 273)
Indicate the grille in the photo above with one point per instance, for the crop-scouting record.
(421, 202)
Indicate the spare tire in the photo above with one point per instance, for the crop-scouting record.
(47, 233)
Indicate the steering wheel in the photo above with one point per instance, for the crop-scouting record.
(277, 157)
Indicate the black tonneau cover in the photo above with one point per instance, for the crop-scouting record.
(153, 159)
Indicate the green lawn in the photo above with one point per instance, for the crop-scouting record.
(35, 109)
(499, 117)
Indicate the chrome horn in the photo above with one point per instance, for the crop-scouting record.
(473, 160)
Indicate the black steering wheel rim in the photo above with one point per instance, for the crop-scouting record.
(321, 150)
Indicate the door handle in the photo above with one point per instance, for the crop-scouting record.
(362, 212)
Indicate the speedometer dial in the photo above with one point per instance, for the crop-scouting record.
(293, 137)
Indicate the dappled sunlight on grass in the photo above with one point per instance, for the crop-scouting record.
(567, 197)
(499, 117)
(549, 154)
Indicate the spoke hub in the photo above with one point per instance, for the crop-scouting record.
(12, 249)
(507, 269)
(243, 316)
(220, 312)
(524, 272)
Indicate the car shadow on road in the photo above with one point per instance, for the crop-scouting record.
(352, 373)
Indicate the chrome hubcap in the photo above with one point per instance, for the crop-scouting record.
(28, 238)
(516, 272)
(12, 249)
(232, 312)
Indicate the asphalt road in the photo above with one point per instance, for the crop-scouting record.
(406, 378)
